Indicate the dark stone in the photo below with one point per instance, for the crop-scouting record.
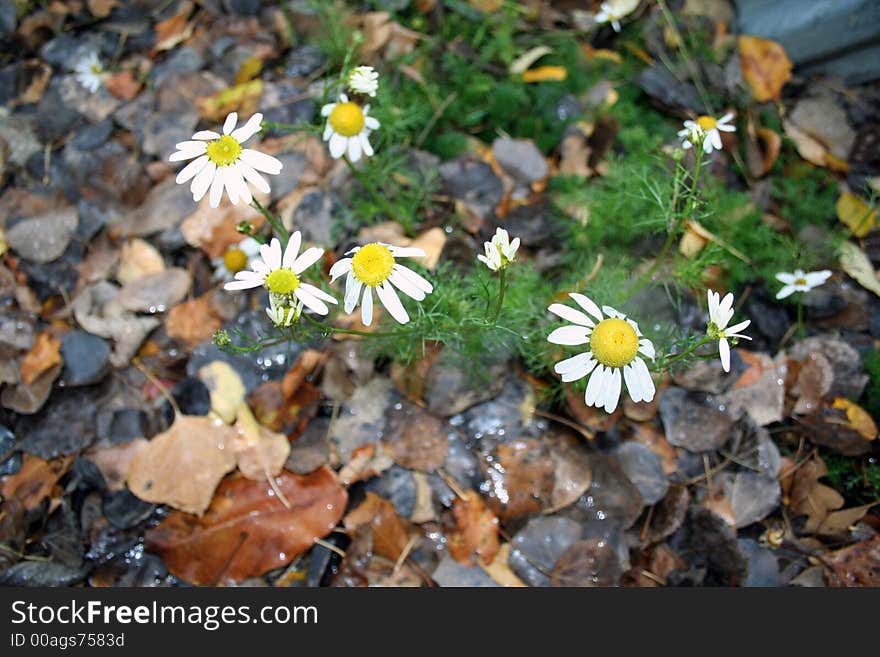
(56, 118)
(643, 469)
(317, 215)
(762, 568)
(768, 316)
(536, 548)
(660, 84)
(293, 168)
(471, 180)
(192, 397)
(568, 108)
(50, 278)
(712, 548)
(398, 486)
(8, 19)
(10, 465)
(86, 358)
(65, 425)
(311, 450)
(303, 61)
(694, 420)
(92, 218)
(40, 573)
(86, 475)
(67, 49)
(612, 498)
(181, 60)
(7, 443)
(92, 136)
(124, 510)
(243, 7)
(125, 425)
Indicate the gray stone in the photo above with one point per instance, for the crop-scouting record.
(537, 546)
(45, 237)
(42, 574)
(824, 118)
(92, 136)
(293, 168)
(849, 377)
(452, 386)
(155, 293)
(521, 159)
(661, 84)
(165, 207)
(361, 420)
(752, 495)
(472, 181)
(612, 500)
(694, 420)
(317, 215)
(643, 468)
(180, 60)
(94, 105)
(762, 568)
(16, 331)
(65, 425)
(450, 573)
(162, 130)
(303, 61)
(18, 134)
(8, 19)
(398, 486)
(86, 358)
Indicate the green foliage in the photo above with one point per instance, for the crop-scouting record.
(871, 396)
(857, 479)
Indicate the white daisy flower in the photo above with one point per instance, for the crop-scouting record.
(615, 343)
(221, 162)
(500, 252)
(363, 80)
(800, 281)
(280, 274)
(720, 314)
(373, 267)
(613, 10)
(283, 316)
(90, 72)
(236, 258)
(348, 129)
(707, 129)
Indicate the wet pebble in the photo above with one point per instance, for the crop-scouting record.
(124, 510)
(92, 136)
(303, 61)
(122, 425)
(450, 573)
(10, 462)
(451, 387)
(536, 548)
(397, 485)
(762, 568)
(86, 358)
(65, 425)
(520, 159)
(45, 237)
(643, 468)
(155, 292)
(310, 451)
(41, 573)
(473, 182)
(693, 420)
(317, 214)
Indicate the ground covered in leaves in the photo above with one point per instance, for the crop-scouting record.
(134, 452)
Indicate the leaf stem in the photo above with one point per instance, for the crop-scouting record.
(275, 222)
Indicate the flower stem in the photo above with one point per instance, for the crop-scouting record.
(368, 184)
(289, 127)
(800, 317)
(366, 334)
(686, 352)
(275, 222)
(502, 288)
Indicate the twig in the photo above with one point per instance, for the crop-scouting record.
(162, 389)
(586, 433)
(436, 117)
(274, 485)
(330, 546)
(451, 483)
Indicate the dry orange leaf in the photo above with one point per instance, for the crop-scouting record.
(123, 85)
(247, 530)
(545, 73)
(859, 419)
(35, 480)
(390, 537)
(194, 321)
(476, 531)
(855, 565)
(173, 30)
(182, 466)
(44, 354)
(765, 66)
(260, 452)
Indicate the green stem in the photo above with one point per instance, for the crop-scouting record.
(368, 184)
(800, 317)
(502, 287)
(686, 352)
(275, 222)
(289, 127)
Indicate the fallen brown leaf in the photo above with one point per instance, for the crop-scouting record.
(259, 451)
(765, 67)
(390, 537)
(194, 321)
(35, 481)
(43, 355)
(247, 530)
(114, 461)
(475, 538)
(856, 565)
(182, 466)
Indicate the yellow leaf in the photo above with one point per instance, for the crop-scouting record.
(765, 67)
(226, 389)
(249, 69)
(855, 213)
(859, 419)
(521, 63)
(855, 263)
(239, 98)
(545, 73)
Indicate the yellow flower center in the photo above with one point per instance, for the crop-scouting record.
(235, 259)
(224, 151)
(707, 123)
(347, 119)
(800, 281)
(282, 281)
(372, 264)
(614, 342)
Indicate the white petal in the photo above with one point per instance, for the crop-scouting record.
(724, 354)
(569, 335)
(645, 382)
(594, 385)
(327, 109)
(786, 291)
(633, 385)
(191, 169)
(328, 132)
(612, 312)
(391, 301)
(229, 124)
(415, 279)
(352, 289)
(217, 188)
(785, 277)
(206, 135)
(365, 144)
(371, 123)
(646, 347)
(406, 251)
(292, 250)
(228, 176)
(736, 328)
(715, 136)
(250, 174)
(339, 268)
(307, 259)
(570, 314)
(587, 304)
(354, 149)
(405, 286)
(310, 301)
(367, 306)
(337, 145)
(261, 161)
(249, 129)
(244, 192)
(816, 278)
(612, 392)
(318, 292)
(271, 254)
(202, 181)
(576, 367)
